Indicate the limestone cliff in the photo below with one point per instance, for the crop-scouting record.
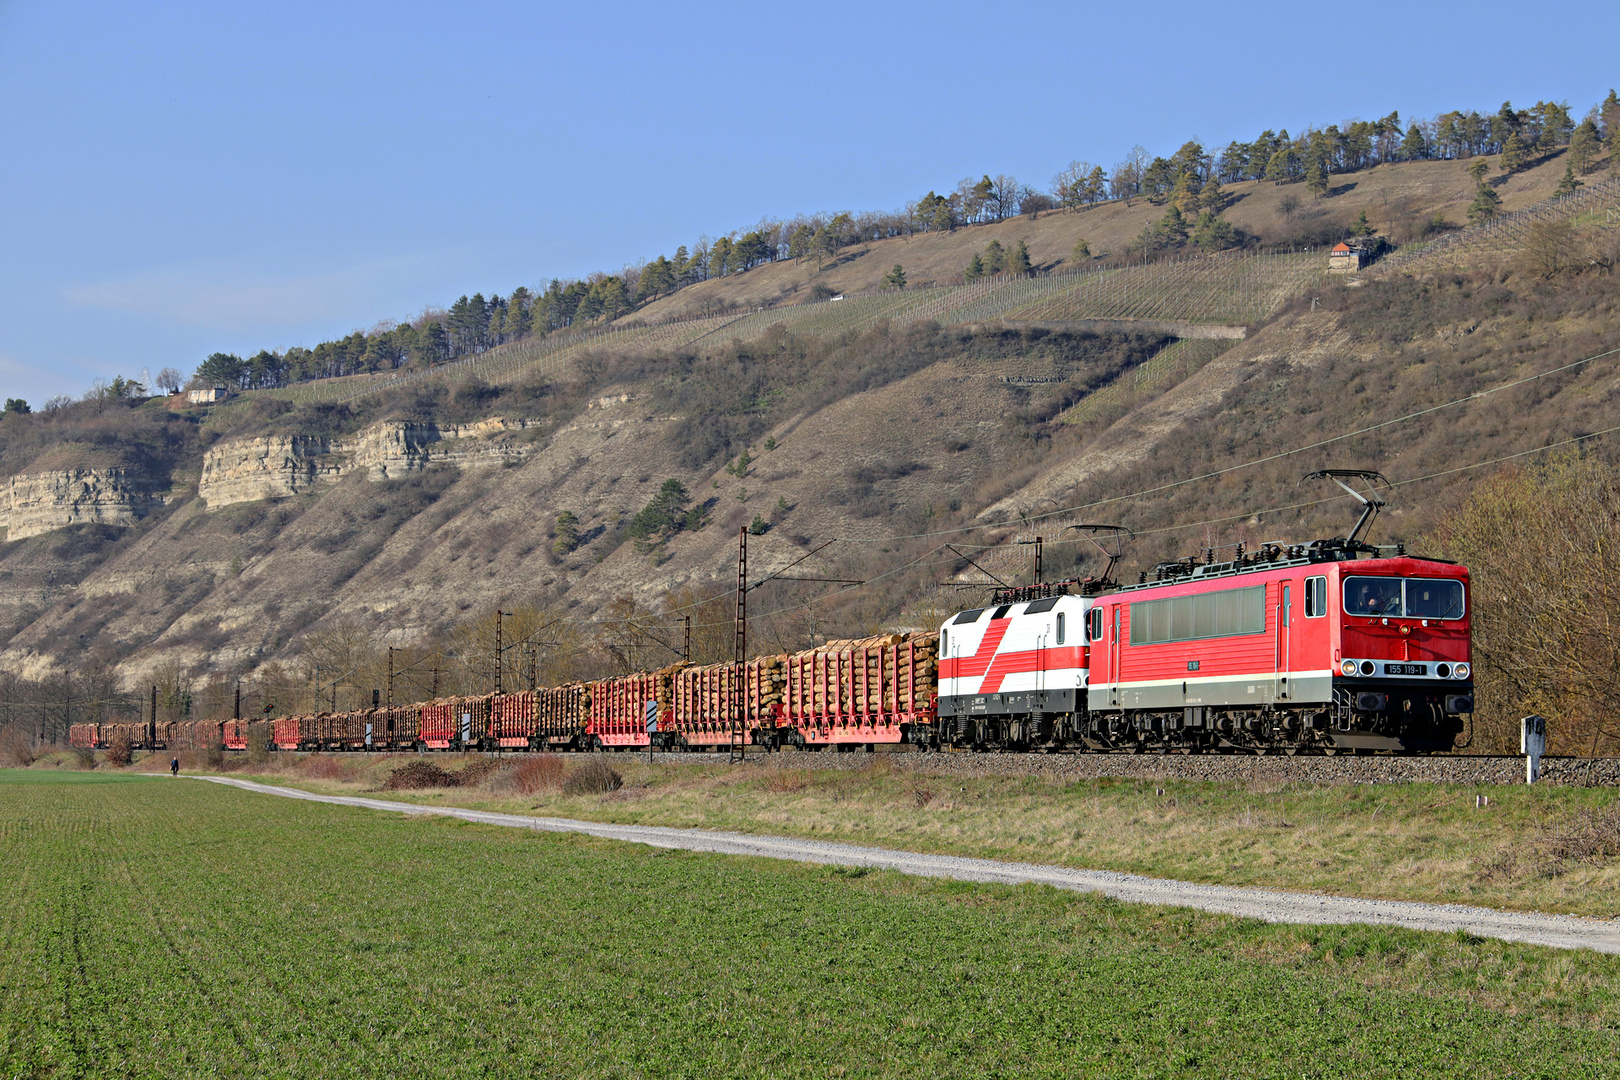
(267, 467)
(36, 503)
(278, 466)
(391, 449)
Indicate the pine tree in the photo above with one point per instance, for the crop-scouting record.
(1185, 195)
(666, 513)
(1018, 264)
(1487, 203)
(977, 198)
(1583, 146)
(1260, 152)
(566, 532)
(1512, 154)
(1609, 116)
(719, 256)
(1213, 232)
(975, 269)
(1569, 183)
(1171, 229)
(1477, 171)
(1316, 176)
(1096, 185)
(221, 369)
(1212, 197)
(895, 278)
(1157, 181)
(1080, 252)
(517, 313)
(1279, 168)
(432, 344)
(1414, 147)
(1361, 226)
(995, 257)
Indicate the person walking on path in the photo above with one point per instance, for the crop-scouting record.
(174, 767)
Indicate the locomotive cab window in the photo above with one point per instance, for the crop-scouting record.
(1060, 627)
(1411, 598)
(1315, 597)
(1094, 625)
(1434, 598)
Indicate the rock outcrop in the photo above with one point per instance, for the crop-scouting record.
(279, 466)
(36, 503)
(267, 467)
(390, 450)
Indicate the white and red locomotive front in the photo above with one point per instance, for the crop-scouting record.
(1014, 674)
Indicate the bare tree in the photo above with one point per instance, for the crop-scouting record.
(1545, 586)
(1069, 186)
(1127, 179)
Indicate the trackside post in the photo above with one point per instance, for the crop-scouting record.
(1532, 744)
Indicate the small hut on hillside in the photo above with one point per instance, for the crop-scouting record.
(1344, 258)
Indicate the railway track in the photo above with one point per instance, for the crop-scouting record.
(1483, 769)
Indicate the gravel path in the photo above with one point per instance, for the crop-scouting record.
(1557, 931)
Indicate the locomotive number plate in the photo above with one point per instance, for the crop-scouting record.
(1406, 669)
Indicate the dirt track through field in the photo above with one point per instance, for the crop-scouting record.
(1556, 931)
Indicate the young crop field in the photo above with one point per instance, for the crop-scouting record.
(175, 928)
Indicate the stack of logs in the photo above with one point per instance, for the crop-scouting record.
(889, 673)
(709, 694)
(563, 710)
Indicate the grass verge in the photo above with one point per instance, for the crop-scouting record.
(1402, 841)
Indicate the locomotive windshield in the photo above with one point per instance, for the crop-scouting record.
(1410, 598)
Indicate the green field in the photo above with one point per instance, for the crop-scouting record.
(174, 928)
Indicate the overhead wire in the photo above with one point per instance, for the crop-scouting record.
(1249, 464)
(977, 527)
(1224, 520)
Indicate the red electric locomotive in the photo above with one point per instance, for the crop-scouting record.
(1288, 648)
(1331, 646)
(1325, 647)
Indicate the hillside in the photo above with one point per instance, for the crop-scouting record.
(159, 544)
(1399, 199)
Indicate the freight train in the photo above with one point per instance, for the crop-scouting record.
(1331, 647)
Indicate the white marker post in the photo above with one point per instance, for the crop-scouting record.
(1532, 744)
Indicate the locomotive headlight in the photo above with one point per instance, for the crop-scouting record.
(1461, 671)
(1348, 667)
(1368, 667)
(1443, 670)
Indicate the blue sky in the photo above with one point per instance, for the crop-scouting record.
(186, 178)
